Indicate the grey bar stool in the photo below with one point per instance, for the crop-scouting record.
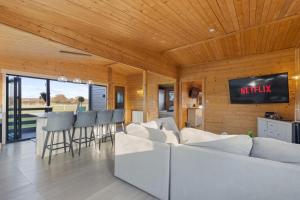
(58, 122)
(118, 118)
(104, 119)
(84, 120)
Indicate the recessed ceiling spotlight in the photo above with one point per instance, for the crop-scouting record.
(211, 30)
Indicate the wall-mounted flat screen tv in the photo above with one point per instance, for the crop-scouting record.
(261, 89)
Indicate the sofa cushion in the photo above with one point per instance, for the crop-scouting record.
(276, 150)
(168, 124)
(152, 124)
(238, 144)
(163, 136)
(192, 135)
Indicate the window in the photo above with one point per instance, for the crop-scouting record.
(64, 96)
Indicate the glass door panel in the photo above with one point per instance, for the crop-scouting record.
(13, 108)
(34, 104)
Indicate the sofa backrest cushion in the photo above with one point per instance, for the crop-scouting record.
(163, 136)
(192, 135)
(276, 150)
(169, 124)
(238, 144)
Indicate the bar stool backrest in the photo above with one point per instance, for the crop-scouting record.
(59, 121)
(118, 116)
(85, 119)
(104, 117)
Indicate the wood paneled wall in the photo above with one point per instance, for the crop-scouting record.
(222, 116)
(135, 94)
(115, 79)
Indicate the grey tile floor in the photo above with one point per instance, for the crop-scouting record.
(23, 175)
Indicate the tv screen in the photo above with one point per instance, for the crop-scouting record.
(261, 89)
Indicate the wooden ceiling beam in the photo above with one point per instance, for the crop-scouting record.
(135, 57)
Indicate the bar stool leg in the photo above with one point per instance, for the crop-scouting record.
(85, 135)
(45, 144)
(100, 137)
(102, 133)
(72, 137)
(51, 147)
(92, 136)
(123, 127)
(110, 134)
(64, 137)
(80, 137)
(71, 143)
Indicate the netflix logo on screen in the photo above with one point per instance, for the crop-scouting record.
(256, 89)
(260, 89)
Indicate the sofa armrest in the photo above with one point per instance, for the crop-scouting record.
(201, 173)
(143, 163)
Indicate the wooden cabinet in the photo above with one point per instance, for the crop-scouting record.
(276, 129)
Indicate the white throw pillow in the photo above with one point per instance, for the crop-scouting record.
(153, 134)
(276, 150)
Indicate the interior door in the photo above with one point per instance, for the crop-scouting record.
(119, 97)
(13, 107)
(97, 97)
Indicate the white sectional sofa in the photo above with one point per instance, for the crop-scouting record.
(206, 166)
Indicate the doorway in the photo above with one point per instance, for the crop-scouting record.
(192, 106)
(166, 100)
(23, 105)
(119, 97)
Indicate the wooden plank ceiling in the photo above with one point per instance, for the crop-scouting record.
(17, 44)
(155, 34)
